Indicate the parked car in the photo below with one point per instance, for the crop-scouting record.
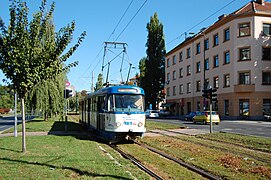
(152, 113)
(189, 117)
(204, 117)
(163, 113)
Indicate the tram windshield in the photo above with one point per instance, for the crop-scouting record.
(127, 103)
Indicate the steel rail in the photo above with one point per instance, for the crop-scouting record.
(137, 162)
(182, 163)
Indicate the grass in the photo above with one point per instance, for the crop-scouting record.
(151, 125)
(263, 144)
(224, 163)
(68, 157)
(60, 157)
(166, 169)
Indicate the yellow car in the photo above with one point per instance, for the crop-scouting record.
(204, 117)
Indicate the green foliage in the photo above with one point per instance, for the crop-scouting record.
(30, 51)
(99, 84)
(6, 98)
(152, 75)
(47, 96)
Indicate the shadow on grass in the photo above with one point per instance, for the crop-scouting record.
(78, 171)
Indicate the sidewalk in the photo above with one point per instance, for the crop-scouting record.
(60, 133)
(176, 132)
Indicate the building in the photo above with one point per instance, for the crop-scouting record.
(234, 56)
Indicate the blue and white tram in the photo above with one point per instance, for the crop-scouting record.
(115, 112)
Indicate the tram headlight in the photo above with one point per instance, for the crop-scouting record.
(118, 124)
(140, 124)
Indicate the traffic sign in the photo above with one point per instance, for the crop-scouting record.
(68, 83)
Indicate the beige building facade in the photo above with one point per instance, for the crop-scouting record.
(234, 56)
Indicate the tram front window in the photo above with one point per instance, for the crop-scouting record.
(129, 103)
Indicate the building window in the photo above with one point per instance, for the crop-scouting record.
(198, 48)
(198, 86)
(244, 107)
(266, 29)
(198, 106)
(227, 57)
(181, 89)
(174, 60)
(168, 77)
(168, 62)
(206, 44)
(188, 53)
(266, 106)
(226, 108)
(266, 53)
(244, 78)
(244, 54)
(216, 40)
(174, 90)
(188, 87)
(180, 56)
(180, 72)
(207, 64)
(188, 70)
(216, 83)
(174, 75)
(226, 80)
(168, 91)
(266, 78)
(216, 61)
(207, 83)
(244, 29)
(227, 34)
(198, 67)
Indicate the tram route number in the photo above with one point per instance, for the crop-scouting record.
(129, 123)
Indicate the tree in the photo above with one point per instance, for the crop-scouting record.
(29, 53)
(99, 83)
(142, 68)
(152, 77)
(48, 97)
(6, 98)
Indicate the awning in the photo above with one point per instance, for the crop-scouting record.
(168, 104)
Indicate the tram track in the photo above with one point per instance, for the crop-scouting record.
(180, 162)
(190, 167)
(224, 149)
(137, 162)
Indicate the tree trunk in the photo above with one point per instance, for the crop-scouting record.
(23, 127)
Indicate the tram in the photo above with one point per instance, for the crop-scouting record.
(114, 113)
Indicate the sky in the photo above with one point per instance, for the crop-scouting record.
(123, 21)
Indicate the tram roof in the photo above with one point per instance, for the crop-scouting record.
(120, 89)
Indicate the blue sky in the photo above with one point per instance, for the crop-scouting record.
(99, 18)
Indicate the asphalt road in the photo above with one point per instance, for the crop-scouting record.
(8, 122)
(254, 128)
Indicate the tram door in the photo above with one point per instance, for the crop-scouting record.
(101, 113)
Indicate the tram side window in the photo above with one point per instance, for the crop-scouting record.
(101, 103)
(110, 103)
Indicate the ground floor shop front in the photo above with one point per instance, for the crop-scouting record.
(254, 106)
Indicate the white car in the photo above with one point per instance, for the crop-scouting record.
(152, 113)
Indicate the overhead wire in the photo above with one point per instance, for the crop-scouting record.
(131, 20)
(80, 77)
(178, 37)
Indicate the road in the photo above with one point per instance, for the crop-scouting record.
(254, 128)
(8, 122)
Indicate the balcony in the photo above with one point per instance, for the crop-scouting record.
(239, 88)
